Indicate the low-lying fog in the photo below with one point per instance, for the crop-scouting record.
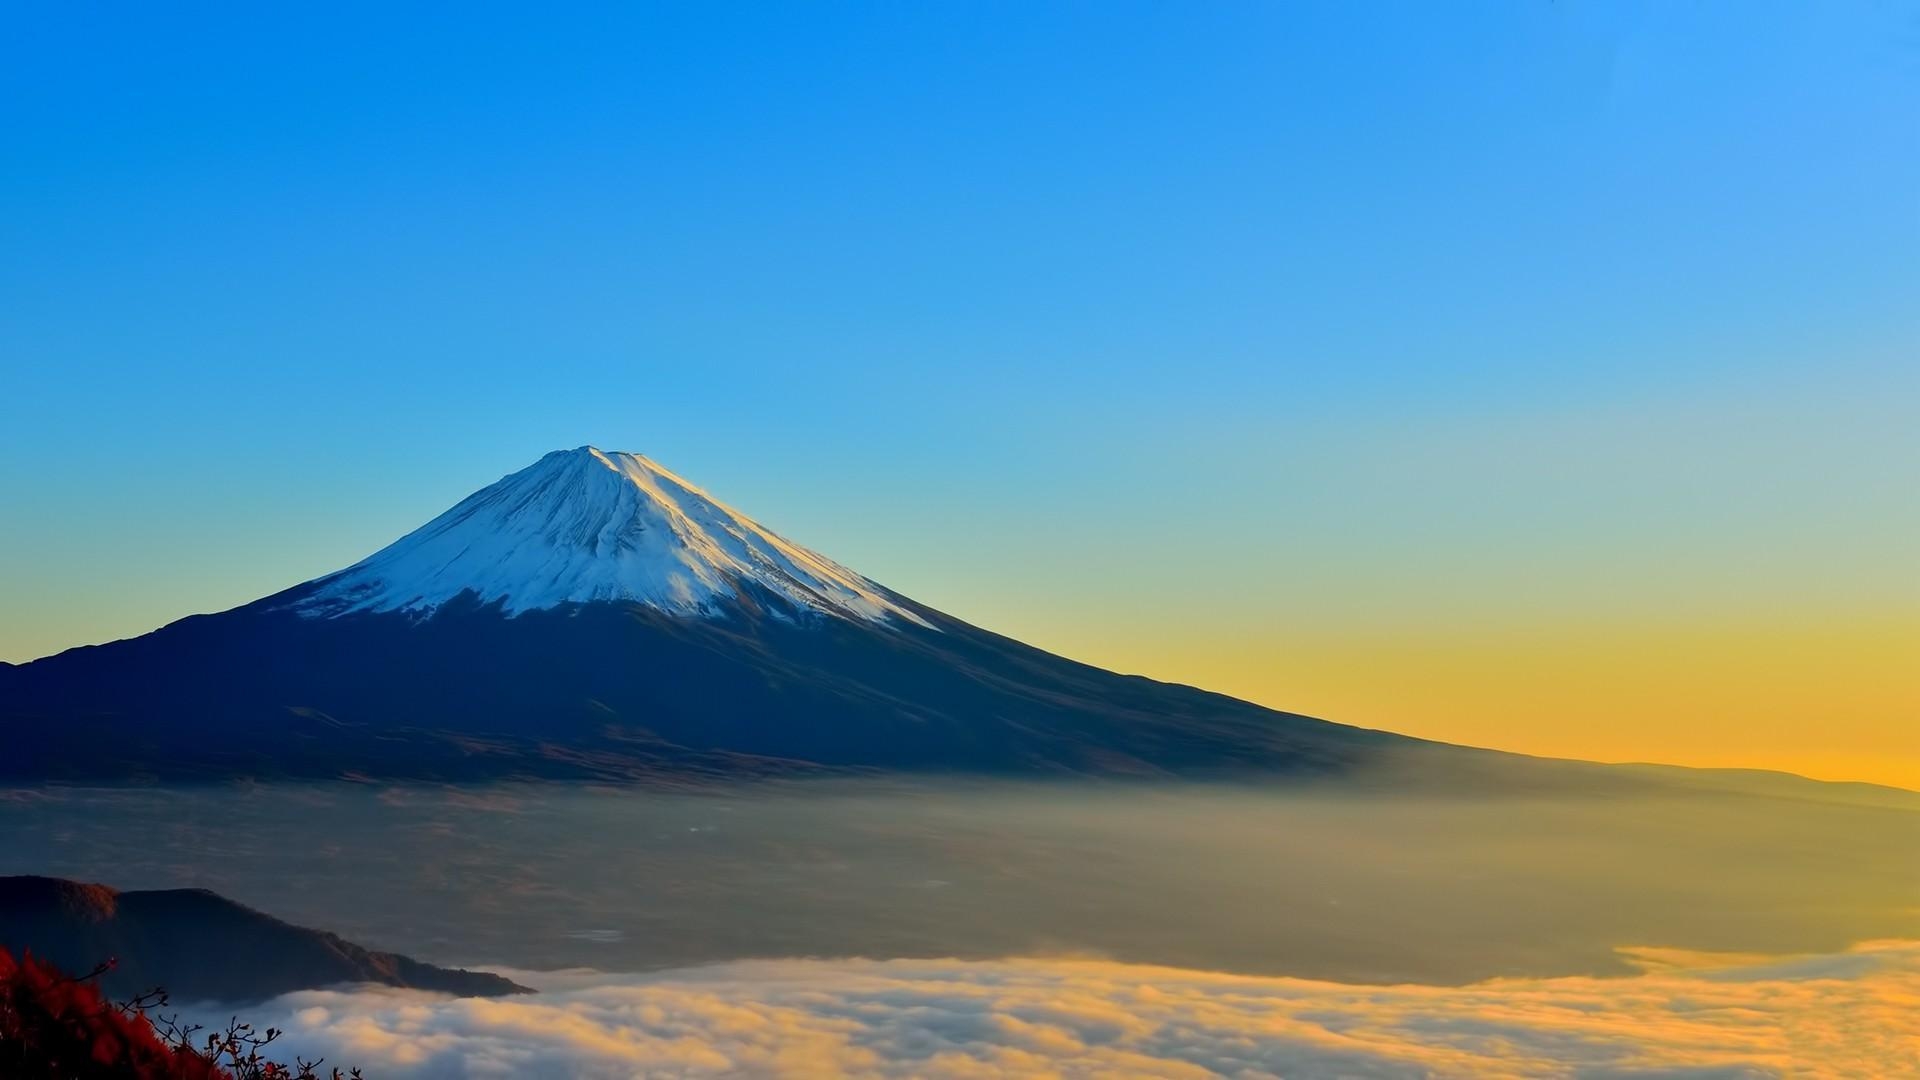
(1308, 883)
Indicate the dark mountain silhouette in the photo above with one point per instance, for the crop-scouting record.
(595, 616)
(201, 946)
(620, 690)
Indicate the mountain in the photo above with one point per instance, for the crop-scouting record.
(584, 526)
(201, 946)
(596, 616)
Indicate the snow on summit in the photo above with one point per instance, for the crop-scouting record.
(585, 525)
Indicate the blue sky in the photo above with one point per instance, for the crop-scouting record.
(1379, 319)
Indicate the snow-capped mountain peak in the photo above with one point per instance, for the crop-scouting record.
(587, 525)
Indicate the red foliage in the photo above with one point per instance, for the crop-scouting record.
(55, 1026)
(52, 1025)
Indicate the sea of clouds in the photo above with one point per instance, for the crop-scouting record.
(1850, 1014)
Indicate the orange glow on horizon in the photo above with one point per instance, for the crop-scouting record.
(1833, 699)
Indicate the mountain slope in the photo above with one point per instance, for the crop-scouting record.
(595, 616)
(201, 946)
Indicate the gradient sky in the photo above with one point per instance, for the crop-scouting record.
(1537, 375)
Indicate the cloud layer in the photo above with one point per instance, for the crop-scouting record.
(1849, 1014)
